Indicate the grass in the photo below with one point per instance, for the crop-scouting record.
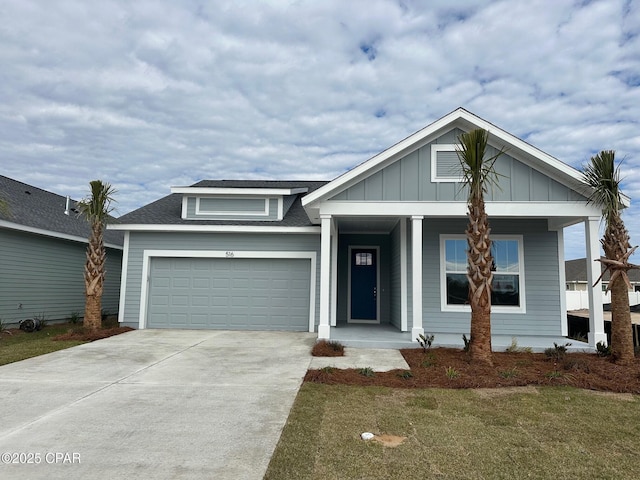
(532, 432)
(21, 346)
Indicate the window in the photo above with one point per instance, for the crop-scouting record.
(364, 258)
(445, 164)
(508, 280)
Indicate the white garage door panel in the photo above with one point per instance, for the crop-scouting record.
(236, 293)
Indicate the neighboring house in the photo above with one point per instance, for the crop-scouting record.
(43, 245)
(576, 276)
(378, 254)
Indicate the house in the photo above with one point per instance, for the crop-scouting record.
(43, 244)
(576, 276)
(373, 257)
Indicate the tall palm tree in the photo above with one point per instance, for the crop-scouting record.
(478, 173)
(95, 208)
(603, 177)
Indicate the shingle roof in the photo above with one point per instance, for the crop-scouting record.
(168, 210)
(576, 271)
(33, 207)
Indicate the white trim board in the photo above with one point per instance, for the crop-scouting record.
(255, 191)
(149, 254)
(214, 228)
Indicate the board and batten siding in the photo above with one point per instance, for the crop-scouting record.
(45, 276)
(409, 179)
(141, 241)
(541, 271)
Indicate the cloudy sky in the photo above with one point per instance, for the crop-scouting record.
(152, 94)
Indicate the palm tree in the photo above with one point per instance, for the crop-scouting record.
(604, 178)
(478, 173)
(95, 208)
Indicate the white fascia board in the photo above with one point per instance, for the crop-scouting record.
(458, 209)
(213, 228)
(50, 233)
(238, 191)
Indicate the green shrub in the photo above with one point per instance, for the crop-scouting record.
(511, 373)
(425, 341)
(430, 360)
(405, 374)
(74, 318)
(557, 352)
(451, 373)
(367, 372)
(467, 342)
(603, 350)
(514, 348)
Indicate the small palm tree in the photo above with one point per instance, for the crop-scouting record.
(478, 172)
(95, 208)
(603, 177)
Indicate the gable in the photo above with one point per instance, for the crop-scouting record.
(419, 176)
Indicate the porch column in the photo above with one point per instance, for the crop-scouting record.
(596, 317)
(325, 276)
(564, 322)
(416, 275)
(334, 274)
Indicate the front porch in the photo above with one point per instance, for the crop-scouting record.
(388, 336)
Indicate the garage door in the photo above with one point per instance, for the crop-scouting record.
(229, 293)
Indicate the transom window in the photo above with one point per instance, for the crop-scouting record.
(508, 273)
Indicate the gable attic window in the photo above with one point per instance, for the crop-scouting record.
(445, 164)
(232, 206)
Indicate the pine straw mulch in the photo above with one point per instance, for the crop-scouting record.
(324, 348)
(451, 368)
(82, 335)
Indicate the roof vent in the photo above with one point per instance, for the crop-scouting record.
(66, 208)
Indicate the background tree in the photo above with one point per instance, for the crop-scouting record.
(95, 208)
(478, 173)
(603, 177)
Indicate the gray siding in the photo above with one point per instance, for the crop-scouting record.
(409, 179)
(45, 276)
(139, 241)
(395, 293)
(234, 206)
(541, 270)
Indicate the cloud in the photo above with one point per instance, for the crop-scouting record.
(147, 95)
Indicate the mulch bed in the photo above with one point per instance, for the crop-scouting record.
(451, 368)
(325, 348)
(87, 336)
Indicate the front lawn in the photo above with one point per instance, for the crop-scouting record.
(516, 432)
(16, 345)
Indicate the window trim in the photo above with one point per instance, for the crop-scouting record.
(444, 307)
(442, 147)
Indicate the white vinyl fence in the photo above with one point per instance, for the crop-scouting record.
(578, 300)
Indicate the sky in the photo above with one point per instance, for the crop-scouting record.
(147, 95)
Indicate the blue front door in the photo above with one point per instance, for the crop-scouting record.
(364, 284)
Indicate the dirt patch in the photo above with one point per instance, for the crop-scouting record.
(391, 441)
(87, 336)
(451, 368)
(325, 348)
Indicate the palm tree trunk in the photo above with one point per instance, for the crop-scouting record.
(615, 244)
(480, 276)
(93, 312)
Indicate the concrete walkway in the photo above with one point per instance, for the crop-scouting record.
(378, 359)
(172, 404)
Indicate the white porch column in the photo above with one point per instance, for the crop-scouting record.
(416, 275)
(325, 276)
(334, 274)
(404, 293)
(596, 317)
(564, 325)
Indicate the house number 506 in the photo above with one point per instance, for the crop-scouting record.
(230, 255)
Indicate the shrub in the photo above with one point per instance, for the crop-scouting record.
(511, 373)
(557, 352)
(104, 314)
(451, 373)
(603, 350)
(367, 372)
(425, 341)
(74, 318)
(405, 374)
(430, 360)
(466, 341)
(514, 348)
(42, 320)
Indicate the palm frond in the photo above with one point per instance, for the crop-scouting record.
(603, 176)
(478, 172)
(97, 206)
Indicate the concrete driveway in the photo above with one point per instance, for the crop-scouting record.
(151, 404)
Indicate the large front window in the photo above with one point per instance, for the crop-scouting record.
(508, 284)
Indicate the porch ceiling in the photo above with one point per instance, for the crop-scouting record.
(366, 225)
